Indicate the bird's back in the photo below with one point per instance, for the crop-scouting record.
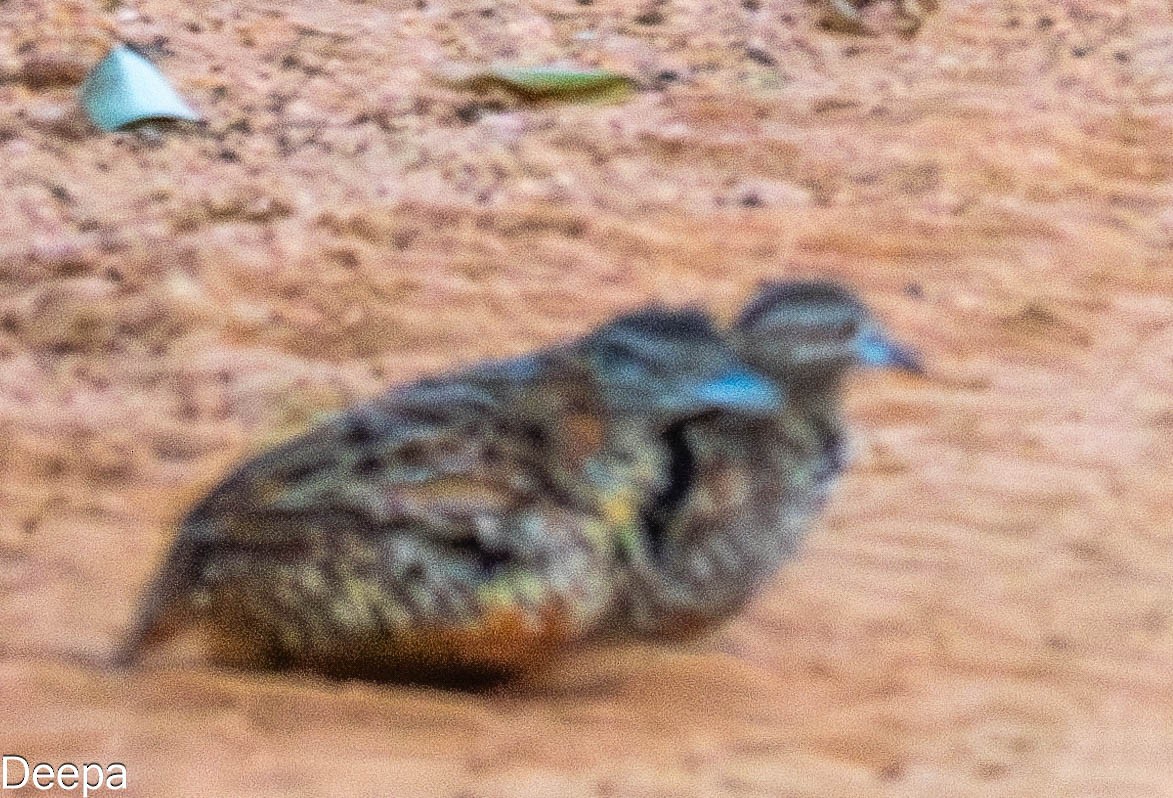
(440, 527)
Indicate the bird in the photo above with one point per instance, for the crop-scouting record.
(463, 528)
(747, 487)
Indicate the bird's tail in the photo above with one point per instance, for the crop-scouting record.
(160, 610)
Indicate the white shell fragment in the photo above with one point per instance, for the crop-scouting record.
(124, 88)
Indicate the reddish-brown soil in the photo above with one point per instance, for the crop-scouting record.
(987, 607)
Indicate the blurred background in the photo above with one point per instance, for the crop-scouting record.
(985, 609)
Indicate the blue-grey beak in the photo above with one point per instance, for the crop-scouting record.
(739, 390)
(877, 350)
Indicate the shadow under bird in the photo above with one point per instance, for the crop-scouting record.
(462, 527)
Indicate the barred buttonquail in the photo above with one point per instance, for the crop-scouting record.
(460, 527)
(747, 487)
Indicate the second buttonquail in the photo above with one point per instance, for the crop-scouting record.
(748, 487)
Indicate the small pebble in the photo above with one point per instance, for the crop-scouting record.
(43, 71)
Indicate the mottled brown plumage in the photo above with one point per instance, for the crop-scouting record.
(462, 526)
(749, 487)
(642, 481)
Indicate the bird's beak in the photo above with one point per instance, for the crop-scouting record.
(739, 390)
(879, 351)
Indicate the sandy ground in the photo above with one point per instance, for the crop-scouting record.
(986, 609)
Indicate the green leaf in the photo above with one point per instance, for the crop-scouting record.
(125, 88)
(560, 82)
(549, 83)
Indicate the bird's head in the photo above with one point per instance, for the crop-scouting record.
(669, 365)
(814, 331)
